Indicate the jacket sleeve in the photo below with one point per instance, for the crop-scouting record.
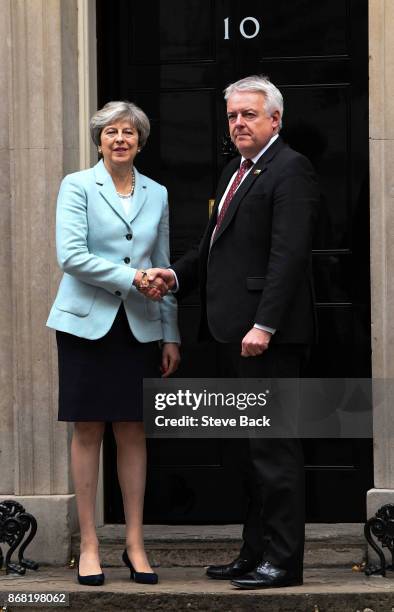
(295, 202)
(187, 271)
(187, 268)
(72, 247)
(161, 259)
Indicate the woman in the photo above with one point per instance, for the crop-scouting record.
(112, 222)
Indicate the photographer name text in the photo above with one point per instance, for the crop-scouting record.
(209, 421)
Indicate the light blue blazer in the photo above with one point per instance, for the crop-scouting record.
(99, 249)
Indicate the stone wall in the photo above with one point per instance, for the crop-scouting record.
(381, 129)
(39, 143)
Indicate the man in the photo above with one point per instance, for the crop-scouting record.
(253, 267)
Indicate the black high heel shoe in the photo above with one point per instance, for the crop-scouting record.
(141, 577)
(92, 580)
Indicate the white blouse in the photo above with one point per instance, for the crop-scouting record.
(126, 203)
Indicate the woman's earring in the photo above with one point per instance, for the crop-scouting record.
(139, 150)
(99, 150)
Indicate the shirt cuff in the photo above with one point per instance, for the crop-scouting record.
(271, 330)
(176, 288)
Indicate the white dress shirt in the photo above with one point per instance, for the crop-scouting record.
(254, 160)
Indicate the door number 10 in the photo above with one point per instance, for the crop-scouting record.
(254, 29)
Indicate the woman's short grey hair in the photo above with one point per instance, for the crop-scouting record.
(113, 111)
(261, 84)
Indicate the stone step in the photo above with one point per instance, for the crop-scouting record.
(186, 589)
(327, 545)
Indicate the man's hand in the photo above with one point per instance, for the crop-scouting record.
(170, 358)
(255, 342)
(153, 289)
(161, 276)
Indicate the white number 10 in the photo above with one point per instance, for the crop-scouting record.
(253, 34)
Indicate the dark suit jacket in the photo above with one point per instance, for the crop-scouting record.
(258, 269)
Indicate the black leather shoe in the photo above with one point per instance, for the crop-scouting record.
(92, 580)
(236, 568)
(266, 576)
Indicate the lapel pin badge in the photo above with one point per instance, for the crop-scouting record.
(257, 171)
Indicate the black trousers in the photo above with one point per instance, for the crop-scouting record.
(274, 528)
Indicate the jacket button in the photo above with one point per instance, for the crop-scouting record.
(118, 293)
(129, 236)
(127, 260)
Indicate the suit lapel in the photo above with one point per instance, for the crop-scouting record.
(107, 190)
(230, 169)
(140, 194)
(256, 172)
(224, 181)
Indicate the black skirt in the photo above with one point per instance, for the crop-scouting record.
(101, 380)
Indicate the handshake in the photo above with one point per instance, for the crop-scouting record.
(155, 282)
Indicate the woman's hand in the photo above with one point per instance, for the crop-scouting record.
(154, 290)
(170, 358)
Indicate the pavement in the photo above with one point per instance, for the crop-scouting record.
(187, 589)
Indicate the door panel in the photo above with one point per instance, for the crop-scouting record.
(174, 58)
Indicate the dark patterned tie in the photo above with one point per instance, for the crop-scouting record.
(244, 167)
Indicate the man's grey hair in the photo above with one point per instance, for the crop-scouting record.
(112, 112)
(260, 84)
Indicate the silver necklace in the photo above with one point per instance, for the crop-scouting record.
(128, 195)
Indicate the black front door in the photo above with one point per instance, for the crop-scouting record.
(173, 58)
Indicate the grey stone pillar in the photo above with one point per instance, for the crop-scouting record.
(382, 244)
(38, 145)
